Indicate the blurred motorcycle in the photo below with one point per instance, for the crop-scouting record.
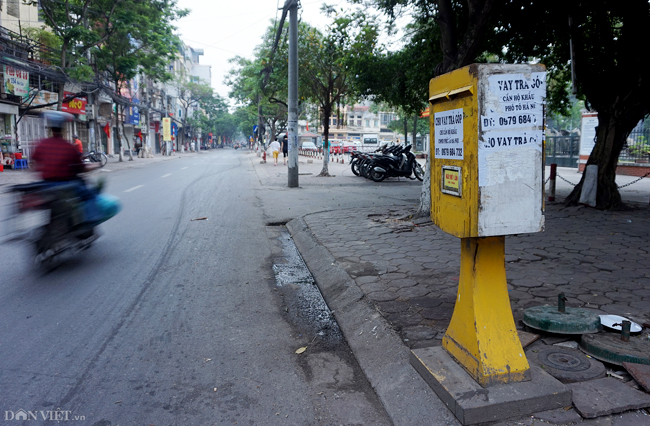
(58, 219)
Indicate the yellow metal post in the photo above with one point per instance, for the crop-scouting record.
(482, 336)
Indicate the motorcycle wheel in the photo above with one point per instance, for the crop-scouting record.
(364, 169)
(354, 165)
(376, 175)
(418, 171)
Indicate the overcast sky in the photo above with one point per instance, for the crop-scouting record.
(225, 29)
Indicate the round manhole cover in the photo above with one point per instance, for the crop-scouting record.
(610, 348)
(573, 321)
(567, 365)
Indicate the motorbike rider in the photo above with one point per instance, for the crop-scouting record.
(59, 162)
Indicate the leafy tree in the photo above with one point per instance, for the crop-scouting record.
(610, 72)
(141, 40)
(325, 78)
(246, 118)
(80, 25)
(191, 94)
(263, 82)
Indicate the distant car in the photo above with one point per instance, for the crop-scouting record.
(335, 146)
(349, 146)
(309, 146)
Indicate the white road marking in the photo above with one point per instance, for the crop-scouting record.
(134, 188)
(168, 174)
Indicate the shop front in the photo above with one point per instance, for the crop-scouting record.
(9, 146)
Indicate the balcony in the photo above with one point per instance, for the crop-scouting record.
(8, 97)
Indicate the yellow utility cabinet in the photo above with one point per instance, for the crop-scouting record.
(487, 131)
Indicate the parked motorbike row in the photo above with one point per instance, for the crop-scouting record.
(389, 161)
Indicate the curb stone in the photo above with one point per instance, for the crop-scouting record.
(407, 398)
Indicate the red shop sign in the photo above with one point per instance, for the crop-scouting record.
(75, 106)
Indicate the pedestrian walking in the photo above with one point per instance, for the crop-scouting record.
(285, 148)
(275, 148)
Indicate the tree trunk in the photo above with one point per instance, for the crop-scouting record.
(415, 131)
(326, 143)
(406, 138)
(424, 209)
(610, 140)
(119, 136)
(120, 127)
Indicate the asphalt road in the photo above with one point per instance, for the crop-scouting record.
(172, 321)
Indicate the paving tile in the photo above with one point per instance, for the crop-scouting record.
(641, 306)
(372, 287)
(595, 299)
(629, 285)
(632, 418)
(519, 295)
(609, 269)
(619, 309)
(403, 283)
(393, 276)
(437, 313)
(411, 292)
(367, 279)
(622, 296)
(425, 302)
(561, 416)
(601, 397)
(419, 332)
(404, 319)
(411, 269)
(382, 296)
(393, 307)
(545, 291)
(527, 282)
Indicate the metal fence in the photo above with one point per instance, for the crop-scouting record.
(563, 150)
(637, 147)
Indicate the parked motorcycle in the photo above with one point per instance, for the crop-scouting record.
(95, 157)
(55, 219)
(360, 160)
(399, 163)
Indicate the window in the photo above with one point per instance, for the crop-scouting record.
(13, 8)
(367, 123)
(376, 123)
(386, 118)
(359, 122)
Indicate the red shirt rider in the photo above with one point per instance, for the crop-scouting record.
(57, 160)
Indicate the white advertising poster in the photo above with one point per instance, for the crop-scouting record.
(588, 133)
(448, 127)
(512, 119)
(514, 101)
(16, 81)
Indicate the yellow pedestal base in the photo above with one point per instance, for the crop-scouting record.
(482, 336)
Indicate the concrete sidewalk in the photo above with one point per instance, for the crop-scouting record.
(392, 282)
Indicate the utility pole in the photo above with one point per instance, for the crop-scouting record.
(293, 94)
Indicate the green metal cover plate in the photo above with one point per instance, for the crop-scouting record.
(610, 348)
(573, 321)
